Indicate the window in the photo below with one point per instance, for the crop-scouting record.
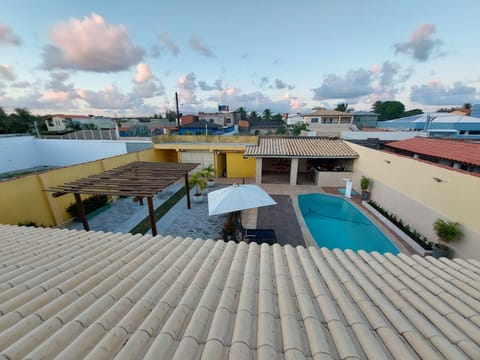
(314, 120)
(327, 120)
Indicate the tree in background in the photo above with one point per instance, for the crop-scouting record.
(171, 115)
(253, 116)
(388, 110)
(298, 127)
(267, 115)
(277, 118)
(343, 107)
(242, 113)
(19, 122)
(412, 112)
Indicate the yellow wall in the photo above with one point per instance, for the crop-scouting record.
(242, 139)
(406, 187)
(237, 166)
(23, 199)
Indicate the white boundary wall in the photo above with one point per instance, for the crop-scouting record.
(24, 152)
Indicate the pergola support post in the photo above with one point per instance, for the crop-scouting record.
(151, 213)
(81, 211)
(187, 189)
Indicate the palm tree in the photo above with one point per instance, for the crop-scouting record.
(242, 112)
(342, 107)
(267, 114)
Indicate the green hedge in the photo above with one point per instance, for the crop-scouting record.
(414, 234)
(90, 204)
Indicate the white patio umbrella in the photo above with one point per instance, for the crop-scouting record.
(237, 197)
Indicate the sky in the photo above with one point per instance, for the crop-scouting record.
(129, 58)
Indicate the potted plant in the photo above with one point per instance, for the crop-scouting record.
(209, 173)
(198, 181)
(447, 232)
(364, 185)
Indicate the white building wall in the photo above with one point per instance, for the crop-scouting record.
(17, 153)
(70, 152)
(25, 152)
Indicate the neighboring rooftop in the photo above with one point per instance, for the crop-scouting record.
(452, 150)
(326, 112)
(300, 146)
(364, 113)
(74, 294)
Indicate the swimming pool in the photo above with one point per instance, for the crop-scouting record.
(335, 223)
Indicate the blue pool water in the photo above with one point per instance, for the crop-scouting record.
(335, 223)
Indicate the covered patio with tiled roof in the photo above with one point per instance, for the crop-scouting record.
(138, 179)
(297, 160)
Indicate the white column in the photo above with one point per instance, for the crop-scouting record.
(293, 172)
(348, 188)
(258, 170)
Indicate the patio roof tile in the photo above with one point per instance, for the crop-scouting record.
(73, 294)
(300, 147)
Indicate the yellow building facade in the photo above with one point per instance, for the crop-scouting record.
(24, 200)
(419, 192)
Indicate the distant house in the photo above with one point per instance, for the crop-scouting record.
(188, 119)
(200, 127)
(292, 119)
(219, 118)
(264, 126)
(365, 119)
(328, 122)
(59, 122)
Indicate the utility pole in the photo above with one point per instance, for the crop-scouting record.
(178, 113)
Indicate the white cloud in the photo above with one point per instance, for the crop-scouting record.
(51, 96)
(187, 85)
(435, 93)
(169, 44)
(144, 73)
(421, 45)
(279, 84)
(6, 72)
(354, 84)
(8, 37)
(91, 44)
(198, 46)
(217, 85)
(57, 81)
(146, 85)
(108, 97)
(257, 101)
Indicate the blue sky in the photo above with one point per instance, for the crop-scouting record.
(130, 57)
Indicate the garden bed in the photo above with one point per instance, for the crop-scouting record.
(402, 235)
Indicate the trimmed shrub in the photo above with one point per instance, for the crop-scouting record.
(89, 204)
(414, 234)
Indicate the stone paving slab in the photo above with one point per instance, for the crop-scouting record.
(283, 219)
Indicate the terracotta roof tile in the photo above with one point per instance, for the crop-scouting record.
(150, 297)
(298, 146)
(459, 151)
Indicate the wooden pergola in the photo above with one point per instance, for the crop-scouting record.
(138, 179)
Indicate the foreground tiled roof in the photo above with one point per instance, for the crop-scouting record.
(68, 295)
(300, 146)
(460, 151)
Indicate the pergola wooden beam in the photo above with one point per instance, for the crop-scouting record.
(137, 179)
